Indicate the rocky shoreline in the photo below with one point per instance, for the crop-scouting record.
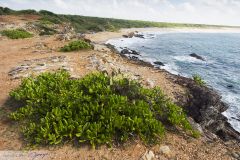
(203, 104)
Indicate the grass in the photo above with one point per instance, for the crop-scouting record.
(16, 34)
(76, 46)
(198, 80)
(97, 109)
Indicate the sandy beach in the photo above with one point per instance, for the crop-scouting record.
(102, 37)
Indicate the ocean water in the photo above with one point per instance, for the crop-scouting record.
(220, 50)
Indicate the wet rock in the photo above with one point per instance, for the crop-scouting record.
(197, 56)
(129, 51)
(159, 63)
(148, 155)
(134, 58)
(139, 35)
(205, 106)
(230, 86)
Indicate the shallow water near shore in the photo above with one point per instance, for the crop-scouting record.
(221, 68)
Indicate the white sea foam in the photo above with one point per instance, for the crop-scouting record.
(233, 112)
(172, 68)
(188, 58)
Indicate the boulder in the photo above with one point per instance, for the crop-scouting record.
(197, 56)
(229, 86)
(134, 58)
(129, 35)
(159, 63)
(129, 51)
(139, 35)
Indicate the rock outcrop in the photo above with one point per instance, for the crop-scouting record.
(197, 56)
(159, 63)
(205, 106)
(129, 51)
(133, 34)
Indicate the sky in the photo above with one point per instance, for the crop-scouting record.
(220, 12)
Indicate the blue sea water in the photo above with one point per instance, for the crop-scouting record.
(221, 68)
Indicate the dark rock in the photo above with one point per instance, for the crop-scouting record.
(139, 35)
(229, 86)
(135, 52)
(125, 51)
(205, 106)
(112, 48)
(129, 51)
(134, 58)
(159, 63)
(238, 119)
(197, 56)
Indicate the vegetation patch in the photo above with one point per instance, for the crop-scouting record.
(45, 30)
(16, 34)
(198, 80)
(97, 109)
(96, 24)
(76, 46)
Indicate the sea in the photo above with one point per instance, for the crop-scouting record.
(220, 70)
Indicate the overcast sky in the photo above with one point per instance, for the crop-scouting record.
(226, 12)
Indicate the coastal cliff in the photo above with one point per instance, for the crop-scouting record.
(202, 103)
(39, 54)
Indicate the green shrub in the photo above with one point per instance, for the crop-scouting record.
(27, 11)
(16, 33)
(199, 81)
(5, 11)
(45, 30)
(97, 109)
(76, 45)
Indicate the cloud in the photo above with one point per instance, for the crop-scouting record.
(225, 12)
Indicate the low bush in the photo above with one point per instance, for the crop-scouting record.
(198, 80)
(97, 109)
(16, 34)
(45, 30)
(76, 45)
